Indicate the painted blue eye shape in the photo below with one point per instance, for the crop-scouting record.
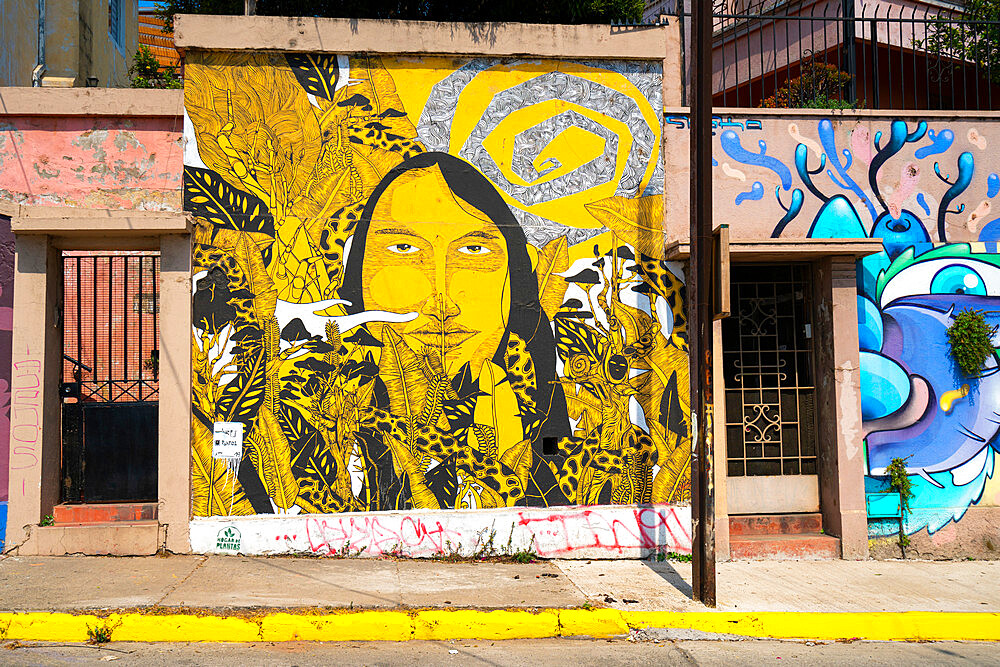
(958, 279)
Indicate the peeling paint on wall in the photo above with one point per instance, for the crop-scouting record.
(120, 163)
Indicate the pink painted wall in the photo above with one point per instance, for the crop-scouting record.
(92, 162)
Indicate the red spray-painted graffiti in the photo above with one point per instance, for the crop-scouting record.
(563, 533)
(26, 414)
(409, 535)
(567, 533)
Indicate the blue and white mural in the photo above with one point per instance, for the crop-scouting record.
(926, 190)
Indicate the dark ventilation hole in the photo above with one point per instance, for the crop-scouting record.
(550, 445)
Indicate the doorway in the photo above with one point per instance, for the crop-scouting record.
(770, 392)
(110, 377)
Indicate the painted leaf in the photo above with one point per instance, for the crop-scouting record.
(420, 495)
(636, 221)
(400, 371)
(317, 72)
(573, 337)
(207, 196)
(497, 409)
(442, 480)
(518, 459)
(215, 490)
(553, 258)
(271, 455)
(244, 394)
(265, 296)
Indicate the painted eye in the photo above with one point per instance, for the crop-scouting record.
(474, 250)
(403, 248)
(958, 279)
(961, 275)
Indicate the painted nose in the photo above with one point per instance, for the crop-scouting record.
(440, 308)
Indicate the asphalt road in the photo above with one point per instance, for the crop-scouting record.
(530, 653)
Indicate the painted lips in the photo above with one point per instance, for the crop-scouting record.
(448, 338)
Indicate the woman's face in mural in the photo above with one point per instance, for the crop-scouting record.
(431, 253)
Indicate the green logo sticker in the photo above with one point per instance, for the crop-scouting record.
(228, 539)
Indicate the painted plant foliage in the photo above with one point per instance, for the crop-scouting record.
(917, 188)
(431, 283)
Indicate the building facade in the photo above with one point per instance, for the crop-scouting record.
(429, 298)
(66, 43)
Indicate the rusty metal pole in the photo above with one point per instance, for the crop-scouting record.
(699, 292)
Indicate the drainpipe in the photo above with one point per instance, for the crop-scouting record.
(39, 71)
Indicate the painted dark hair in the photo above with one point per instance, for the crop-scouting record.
(527, 319)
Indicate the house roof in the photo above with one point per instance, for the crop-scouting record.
(161, 44)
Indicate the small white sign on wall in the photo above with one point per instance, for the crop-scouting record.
(227, 441)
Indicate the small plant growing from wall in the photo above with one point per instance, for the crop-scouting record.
(971, 341)
(900, 482)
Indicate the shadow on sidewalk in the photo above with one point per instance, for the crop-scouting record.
(669, 573)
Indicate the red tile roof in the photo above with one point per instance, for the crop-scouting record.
(161, 44)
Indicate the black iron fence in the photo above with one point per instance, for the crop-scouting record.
(898, 54)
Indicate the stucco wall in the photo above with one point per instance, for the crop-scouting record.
(117, 158)
(18, 41)
(926, 186)
(100, 56)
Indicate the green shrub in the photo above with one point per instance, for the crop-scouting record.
(899, 481)
(145, 71)
(971, 341)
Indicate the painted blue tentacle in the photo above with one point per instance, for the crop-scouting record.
(966, 167)
(802, 166)
(826, 137)
(898, 137)
(790, 213)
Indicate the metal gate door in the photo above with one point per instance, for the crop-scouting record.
(770, 391)
(110, 388)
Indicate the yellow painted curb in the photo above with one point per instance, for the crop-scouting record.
(359, 626)
(473, 624)
(440, 624)
(592, 623)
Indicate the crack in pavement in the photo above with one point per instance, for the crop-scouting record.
(204, 559)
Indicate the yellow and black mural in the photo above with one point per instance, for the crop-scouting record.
(431, 283)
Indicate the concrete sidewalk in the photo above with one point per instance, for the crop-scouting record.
(71, 583)
(598, 598)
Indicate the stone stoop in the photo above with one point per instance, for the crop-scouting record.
(119, 538)
(89, 513)
(780, 537)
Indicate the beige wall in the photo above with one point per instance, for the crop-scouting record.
(782, 131)
(18, 41)
(77, 43)
(100, 56)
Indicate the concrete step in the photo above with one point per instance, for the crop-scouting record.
(119, 538)
(775, 524)
(103, 512)
(800, 546)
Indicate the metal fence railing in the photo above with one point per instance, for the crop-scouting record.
(898, 54)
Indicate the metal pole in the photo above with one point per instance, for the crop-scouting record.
(699, 291)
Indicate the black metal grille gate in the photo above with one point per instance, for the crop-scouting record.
(768, 369)
(110, 388)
